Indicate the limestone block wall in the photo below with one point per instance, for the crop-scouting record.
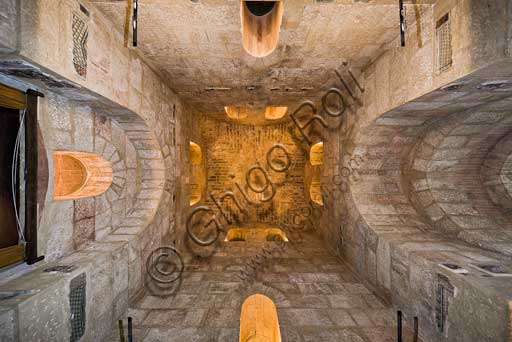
(479, 38)
(388, 233)
(77, 232)
(118, 83)
(123, 111)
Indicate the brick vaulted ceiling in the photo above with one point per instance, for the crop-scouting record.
(197, 44)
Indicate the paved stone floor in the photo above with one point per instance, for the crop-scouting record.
(317, 297)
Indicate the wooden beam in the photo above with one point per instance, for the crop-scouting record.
(11, 98)
(127, 23)
(11, 255)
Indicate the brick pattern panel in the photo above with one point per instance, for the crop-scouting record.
(231, 150)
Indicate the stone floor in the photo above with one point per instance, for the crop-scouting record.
(317, 297)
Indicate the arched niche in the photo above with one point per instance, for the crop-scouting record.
(196, 155)
(79, 174)
(236, 234)
(315, 189)
(261, 23)
(275, 113)
(256, 234)
(196, 160)
(316, 154)
(258, 320)
(236, 113)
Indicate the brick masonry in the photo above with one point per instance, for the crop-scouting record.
(232, 149)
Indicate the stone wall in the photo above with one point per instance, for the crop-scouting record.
(411, 149)
(123, 111)
(421, 200)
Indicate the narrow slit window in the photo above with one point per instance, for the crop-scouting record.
(444, 44)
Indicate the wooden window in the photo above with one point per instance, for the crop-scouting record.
(11, 250)
(18, 227)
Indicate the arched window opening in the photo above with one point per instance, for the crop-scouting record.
(196, 159)
(236, 113)
(316, 154)
(79, 174)
(258, 320)
(275, 113)
(256, 234)
(236, 234)
(196, 155)
(276, 234)
(315, 190)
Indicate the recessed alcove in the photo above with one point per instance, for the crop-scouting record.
(196, 160)
(316, 159)
(196, 155)
(236, 112)
(255, 234)
(79, 175)
(315, 190)
(316, 154)
(275, 112)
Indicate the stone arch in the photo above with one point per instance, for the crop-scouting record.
(448, 167)
(497, 173)
(275, 112)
